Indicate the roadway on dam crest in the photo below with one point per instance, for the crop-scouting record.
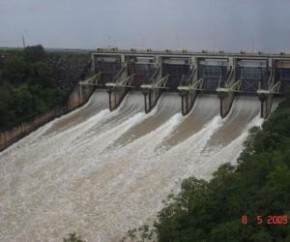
(100, 173)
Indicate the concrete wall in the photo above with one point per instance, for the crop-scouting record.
(77, 98)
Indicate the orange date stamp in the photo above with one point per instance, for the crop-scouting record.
(266, 219)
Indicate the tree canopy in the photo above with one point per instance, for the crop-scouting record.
(26, 85)
(34, 53)
(258, 186)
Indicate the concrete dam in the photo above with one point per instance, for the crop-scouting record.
(153, 119)
(189, 74)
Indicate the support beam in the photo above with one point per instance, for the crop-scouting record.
(266, 97)
(266, 94)
(92, 81)
(116, 96)
(152, 91)
(188, 91)
(226, 91)
(226, 102)
(126, 82)
(118, 89)
(88, 85)
(187, 100)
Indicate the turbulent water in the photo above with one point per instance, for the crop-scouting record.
(100, 173)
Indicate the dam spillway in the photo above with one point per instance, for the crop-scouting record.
(101, 173)
(152, 120)
(227, 75)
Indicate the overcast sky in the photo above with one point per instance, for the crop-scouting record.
(233, 25)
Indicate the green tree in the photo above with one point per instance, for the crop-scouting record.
(6, 113)
(34, 53)
(23, 102)
(259, 185)
(28, 82)
(15, 70)
(41, 74)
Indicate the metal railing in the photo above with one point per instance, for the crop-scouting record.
(92, 81)
(231, 85)
(188, 79)
(154, 75)
(234, 86)
(276, 87)
(162, 82)
(119, 73)
(126, 82)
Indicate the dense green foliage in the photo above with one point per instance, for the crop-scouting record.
(26, 85)
(258, 186)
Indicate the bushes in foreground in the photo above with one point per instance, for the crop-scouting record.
(239, 203)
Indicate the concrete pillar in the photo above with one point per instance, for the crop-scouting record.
(159, 61)
(197, 65)
(93, 66)
(270, 63)
(263, 100)
(272, 68)
(231, 61)
(123, 59)
(193, 62)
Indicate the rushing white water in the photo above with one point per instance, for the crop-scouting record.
(100, 173)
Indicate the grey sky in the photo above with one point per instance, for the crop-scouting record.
(158, 24)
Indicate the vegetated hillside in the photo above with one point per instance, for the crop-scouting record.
(32, 81)
(258, 186)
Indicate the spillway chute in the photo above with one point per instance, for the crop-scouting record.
(100, 166)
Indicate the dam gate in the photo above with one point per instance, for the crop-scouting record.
(190, 73)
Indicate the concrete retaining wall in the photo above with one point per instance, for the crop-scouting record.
(77, 98)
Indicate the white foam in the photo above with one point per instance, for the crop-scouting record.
(80, 180)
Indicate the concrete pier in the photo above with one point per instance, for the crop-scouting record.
(190, 73)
